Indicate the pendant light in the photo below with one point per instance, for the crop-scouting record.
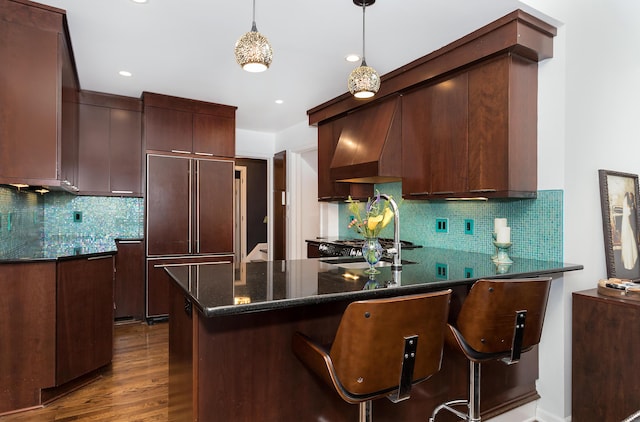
(253, 51)
(363, 81)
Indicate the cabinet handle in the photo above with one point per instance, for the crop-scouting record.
(206, 154)
(418, 193)
(324, 197)
(447, 192)
(481, 190)
(179, 151)
(122, 242)
(93, 258)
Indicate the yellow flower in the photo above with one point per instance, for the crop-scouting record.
(373, 222)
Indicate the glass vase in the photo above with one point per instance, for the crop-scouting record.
(372, 252)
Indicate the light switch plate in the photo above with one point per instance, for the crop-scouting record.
(468, 226)
(442, 225)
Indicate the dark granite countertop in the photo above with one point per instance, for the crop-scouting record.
(219, 289)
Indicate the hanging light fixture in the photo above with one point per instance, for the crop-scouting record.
(253, 51)
(363, 81)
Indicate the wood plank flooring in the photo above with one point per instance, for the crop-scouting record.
(135, 388)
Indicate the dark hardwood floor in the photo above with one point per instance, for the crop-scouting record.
(134, 388)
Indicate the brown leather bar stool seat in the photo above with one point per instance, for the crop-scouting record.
(406, 336)
(498, 320)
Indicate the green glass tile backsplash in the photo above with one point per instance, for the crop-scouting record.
(536, 224)
(27, 217)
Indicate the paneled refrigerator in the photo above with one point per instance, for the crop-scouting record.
(189, 219)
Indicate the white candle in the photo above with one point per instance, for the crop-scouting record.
(498, 223)
(504, 235)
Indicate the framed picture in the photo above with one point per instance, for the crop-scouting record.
(618, 197)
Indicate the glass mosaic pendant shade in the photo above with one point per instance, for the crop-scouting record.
(364, 81)
(253, 51)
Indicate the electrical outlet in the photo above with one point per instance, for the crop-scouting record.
(468, 226)
(442, 271)
(468, 272)
(442, 225)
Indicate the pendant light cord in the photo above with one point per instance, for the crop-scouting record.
(364, 6)
(254, 28)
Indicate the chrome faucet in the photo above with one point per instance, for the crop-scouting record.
(396, 251)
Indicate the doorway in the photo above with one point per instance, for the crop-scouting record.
(251, 210)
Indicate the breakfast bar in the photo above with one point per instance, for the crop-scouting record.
(231, 327)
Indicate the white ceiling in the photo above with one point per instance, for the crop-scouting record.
(185, 47)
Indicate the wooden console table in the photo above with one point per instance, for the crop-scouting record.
(606, 339)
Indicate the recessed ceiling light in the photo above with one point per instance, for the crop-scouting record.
(125, 73)
(352, 58)
(279, 101)
(139, 1)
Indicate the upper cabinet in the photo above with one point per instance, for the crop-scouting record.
(468, 116)
(186, 126)
(110, 145)
(38, 97)
(473, 134)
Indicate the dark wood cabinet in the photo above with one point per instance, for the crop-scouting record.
(129, 280)
(84, 316)
(434, 137)
(110, 145)
(605, 383)
(473, 134)
(189, 212)
(503, 128)
(185, 126)
(28, 327)
(38, 75)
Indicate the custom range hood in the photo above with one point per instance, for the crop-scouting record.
(369, 149)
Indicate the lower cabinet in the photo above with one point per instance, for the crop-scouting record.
(84, 316)
(605, 382)
(129, 281)
(56, 325)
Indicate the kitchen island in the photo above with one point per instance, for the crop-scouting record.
(230, 335)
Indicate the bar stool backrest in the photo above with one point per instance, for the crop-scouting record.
(367, 352)
(486, 320)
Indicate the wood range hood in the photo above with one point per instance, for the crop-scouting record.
(369, 146)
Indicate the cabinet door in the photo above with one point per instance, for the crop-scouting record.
(448, 138)
(125, 151)
(214, 206)
(168, 130)
(214, 135)
(416, 160)
(168, 205)
(502, 127)
(93, 149)
(129, 282)
(29, 102)
(84, 316)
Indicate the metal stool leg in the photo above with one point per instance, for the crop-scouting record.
(365, 411)
(473, 403)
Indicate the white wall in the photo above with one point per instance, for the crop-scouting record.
(587, 116)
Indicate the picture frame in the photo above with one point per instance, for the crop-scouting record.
(620, 222)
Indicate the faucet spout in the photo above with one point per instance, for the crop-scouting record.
(397, 248)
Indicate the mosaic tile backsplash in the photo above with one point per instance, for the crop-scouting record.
(536, 224)
(57, 217)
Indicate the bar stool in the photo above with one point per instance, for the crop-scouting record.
(406, 336)
(498, 320)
